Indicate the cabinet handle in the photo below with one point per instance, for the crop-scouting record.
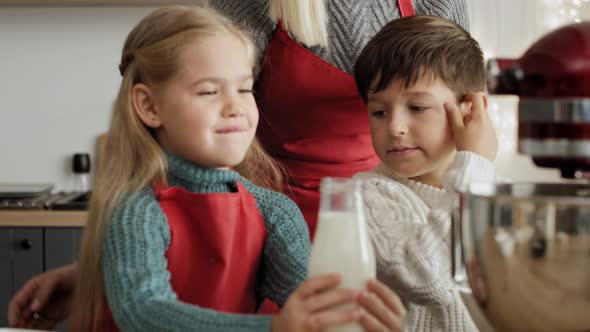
(26, 244)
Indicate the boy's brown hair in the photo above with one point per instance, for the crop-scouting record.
(411, 47)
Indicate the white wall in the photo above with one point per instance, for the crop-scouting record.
(506, 28)
(58, 78)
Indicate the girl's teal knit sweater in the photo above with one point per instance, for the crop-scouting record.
(136, 280)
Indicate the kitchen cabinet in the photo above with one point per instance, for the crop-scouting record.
(61, 246)
(26, 252)
(21, 257)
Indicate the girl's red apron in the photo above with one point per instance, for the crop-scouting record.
(312, 119)
(216, 248)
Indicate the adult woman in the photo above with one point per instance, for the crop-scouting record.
(312, 119)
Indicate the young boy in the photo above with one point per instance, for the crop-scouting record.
(423, 79)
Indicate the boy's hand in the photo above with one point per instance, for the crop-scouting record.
(311, 306)
(472, 127)
(384, 311)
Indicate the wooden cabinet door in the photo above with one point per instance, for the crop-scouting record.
(61, 246)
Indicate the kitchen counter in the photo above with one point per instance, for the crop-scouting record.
(42, 218)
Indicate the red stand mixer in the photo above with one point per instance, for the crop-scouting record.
(552, 79)
(522, 250)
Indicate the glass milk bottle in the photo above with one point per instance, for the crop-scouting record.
(342, 244)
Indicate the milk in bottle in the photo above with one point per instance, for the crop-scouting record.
(342, 243)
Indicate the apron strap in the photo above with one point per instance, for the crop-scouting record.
(406, 8)
(158, 186)
(281, 25)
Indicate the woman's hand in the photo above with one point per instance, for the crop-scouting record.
(44, 300)
(472, 127)
(311, 306)
(383, 309)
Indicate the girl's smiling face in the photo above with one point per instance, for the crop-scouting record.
(207, 113)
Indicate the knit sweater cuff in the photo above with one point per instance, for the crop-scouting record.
(469, 168)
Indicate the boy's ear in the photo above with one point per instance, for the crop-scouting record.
(485, 101)
(464, 108)
(144, 105)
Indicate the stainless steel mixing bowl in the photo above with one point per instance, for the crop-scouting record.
(525, 250)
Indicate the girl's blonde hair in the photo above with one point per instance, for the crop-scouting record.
(132, 158)
(305, 19)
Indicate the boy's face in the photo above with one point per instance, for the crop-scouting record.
(410, 131)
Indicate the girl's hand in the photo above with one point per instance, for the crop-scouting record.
(310, 307)
(383, 310)
(472, 127)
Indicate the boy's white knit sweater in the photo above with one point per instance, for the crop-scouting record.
(409, 224)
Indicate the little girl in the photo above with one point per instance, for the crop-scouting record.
(176, 240)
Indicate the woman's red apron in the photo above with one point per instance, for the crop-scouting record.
(216, 247)
(312, 119)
